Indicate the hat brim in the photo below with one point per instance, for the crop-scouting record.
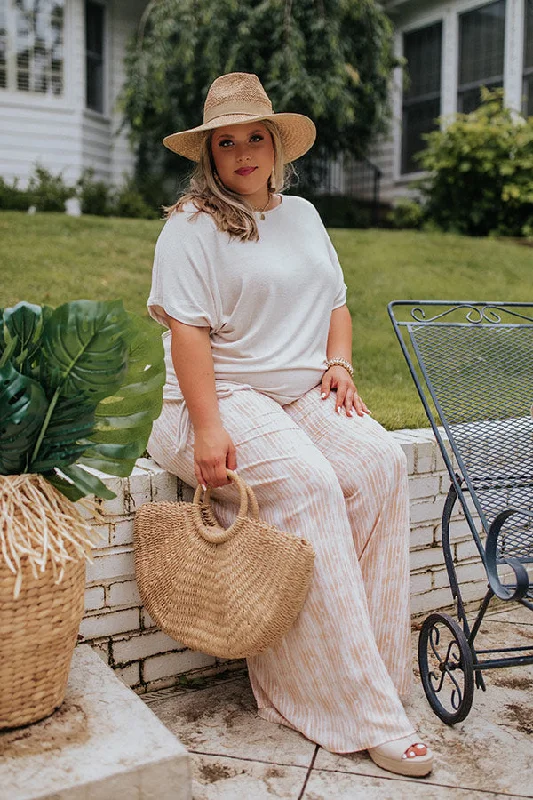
(297, 133)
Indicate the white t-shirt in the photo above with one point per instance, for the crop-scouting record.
(268, 303)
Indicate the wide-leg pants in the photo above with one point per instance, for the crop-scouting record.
(341, 483)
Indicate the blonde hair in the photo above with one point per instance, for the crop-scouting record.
(231, 211)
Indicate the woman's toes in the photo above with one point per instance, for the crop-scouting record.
(415, 750)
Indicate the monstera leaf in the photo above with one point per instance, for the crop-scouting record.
(100, 374)
(64, 439)
(83, 349)
(23, 407)
(21, 333)
(124, 420)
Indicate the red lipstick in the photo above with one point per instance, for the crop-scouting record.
(245, 170)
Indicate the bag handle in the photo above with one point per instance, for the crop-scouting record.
(253, 505)
(248, 507)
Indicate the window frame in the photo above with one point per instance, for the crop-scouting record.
(527, 72)
(14, 97)
(10, 91)
(104, 113)
(402, 174)
(491, 80)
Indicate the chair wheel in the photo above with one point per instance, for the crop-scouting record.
(446, 668)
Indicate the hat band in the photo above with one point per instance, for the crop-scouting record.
(252, 109)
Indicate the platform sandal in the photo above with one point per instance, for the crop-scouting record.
(393, 756)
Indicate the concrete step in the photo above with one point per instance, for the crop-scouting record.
(102, 743)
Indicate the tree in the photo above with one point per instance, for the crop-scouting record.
(329, 59)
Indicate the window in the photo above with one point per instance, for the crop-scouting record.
(481, 53)
(528, 60)
(421, 99)
(31, 46)
(3, 47)
(94, 56)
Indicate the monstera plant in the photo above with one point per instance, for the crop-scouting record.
(80, 386)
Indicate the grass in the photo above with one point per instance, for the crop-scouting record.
(52, 258)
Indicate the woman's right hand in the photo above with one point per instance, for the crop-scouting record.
(214, 452)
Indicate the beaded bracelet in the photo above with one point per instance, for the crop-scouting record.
(341, 362)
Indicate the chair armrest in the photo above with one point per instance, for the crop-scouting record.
(491, 553)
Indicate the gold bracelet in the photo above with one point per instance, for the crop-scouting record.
(341, 362)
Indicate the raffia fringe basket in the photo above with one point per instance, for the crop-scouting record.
(44, 544)
(229, 593)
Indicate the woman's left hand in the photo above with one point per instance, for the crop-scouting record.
(336, 377)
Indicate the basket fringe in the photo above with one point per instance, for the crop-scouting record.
(40, 524)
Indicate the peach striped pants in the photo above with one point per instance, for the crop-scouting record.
(340, 482)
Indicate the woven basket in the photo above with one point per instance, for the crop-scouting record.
(230, 593)
(37, 634)
(39, 620)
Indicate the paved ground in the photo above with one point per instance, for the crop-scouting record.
(238, 756)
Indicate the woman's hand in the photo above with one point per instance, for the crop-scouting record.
(336, 377)
(214, 452)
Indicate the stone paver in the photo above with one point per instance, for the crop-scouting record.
(222, 720)
(102, 743)
(236, 755)
(219, 778)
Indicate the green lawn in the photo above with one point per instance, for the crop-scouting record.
(51, 258)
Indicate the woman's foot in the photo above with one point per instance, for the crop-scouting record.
(404, 756)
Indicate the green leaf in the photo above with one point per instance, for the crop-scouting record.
(23, 407)
(64, 440)
(84, 351)
(87, 482)
(24, 322)
(124, 421)
(65, 487)
(114, 459)
(9, 345)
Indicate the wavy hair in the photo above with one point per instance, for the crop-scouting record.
(231, 211)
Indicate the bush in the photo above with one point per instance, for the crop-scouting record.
(12, 198)
(407, 214)
(129, 202)
(95, 196)
(48, 192)
(481, 168)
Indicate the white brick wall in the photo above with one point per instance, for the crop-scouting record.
(117, 625)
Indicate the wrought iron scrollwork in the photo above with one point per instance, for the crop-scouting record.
(475, 314)
(450, 690)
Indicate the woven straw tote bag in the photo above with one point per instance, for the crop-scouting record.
(229, 593)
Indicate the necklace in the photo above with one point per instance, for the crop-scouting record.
(262, 210)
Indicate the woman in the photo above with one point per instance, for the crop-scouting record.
(259, 379)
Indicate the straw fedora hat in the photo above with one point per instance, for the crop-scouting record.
(238, 98)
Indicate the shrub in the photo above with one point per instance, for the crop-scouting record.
(48, 192)
(12, 198)
(481, 168)
(95, 196)
(407, 214)
(129, 202)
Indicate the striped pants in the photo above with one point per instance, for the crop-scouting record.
(341, 483)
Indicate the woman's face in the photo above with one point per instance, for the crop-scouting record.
(244, 157)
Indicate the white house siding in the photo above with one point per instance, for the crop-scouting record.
(96, 145)
(410, 15)
(59, 132)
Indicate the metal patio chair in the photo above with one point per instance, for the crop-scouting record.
(472, 363)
